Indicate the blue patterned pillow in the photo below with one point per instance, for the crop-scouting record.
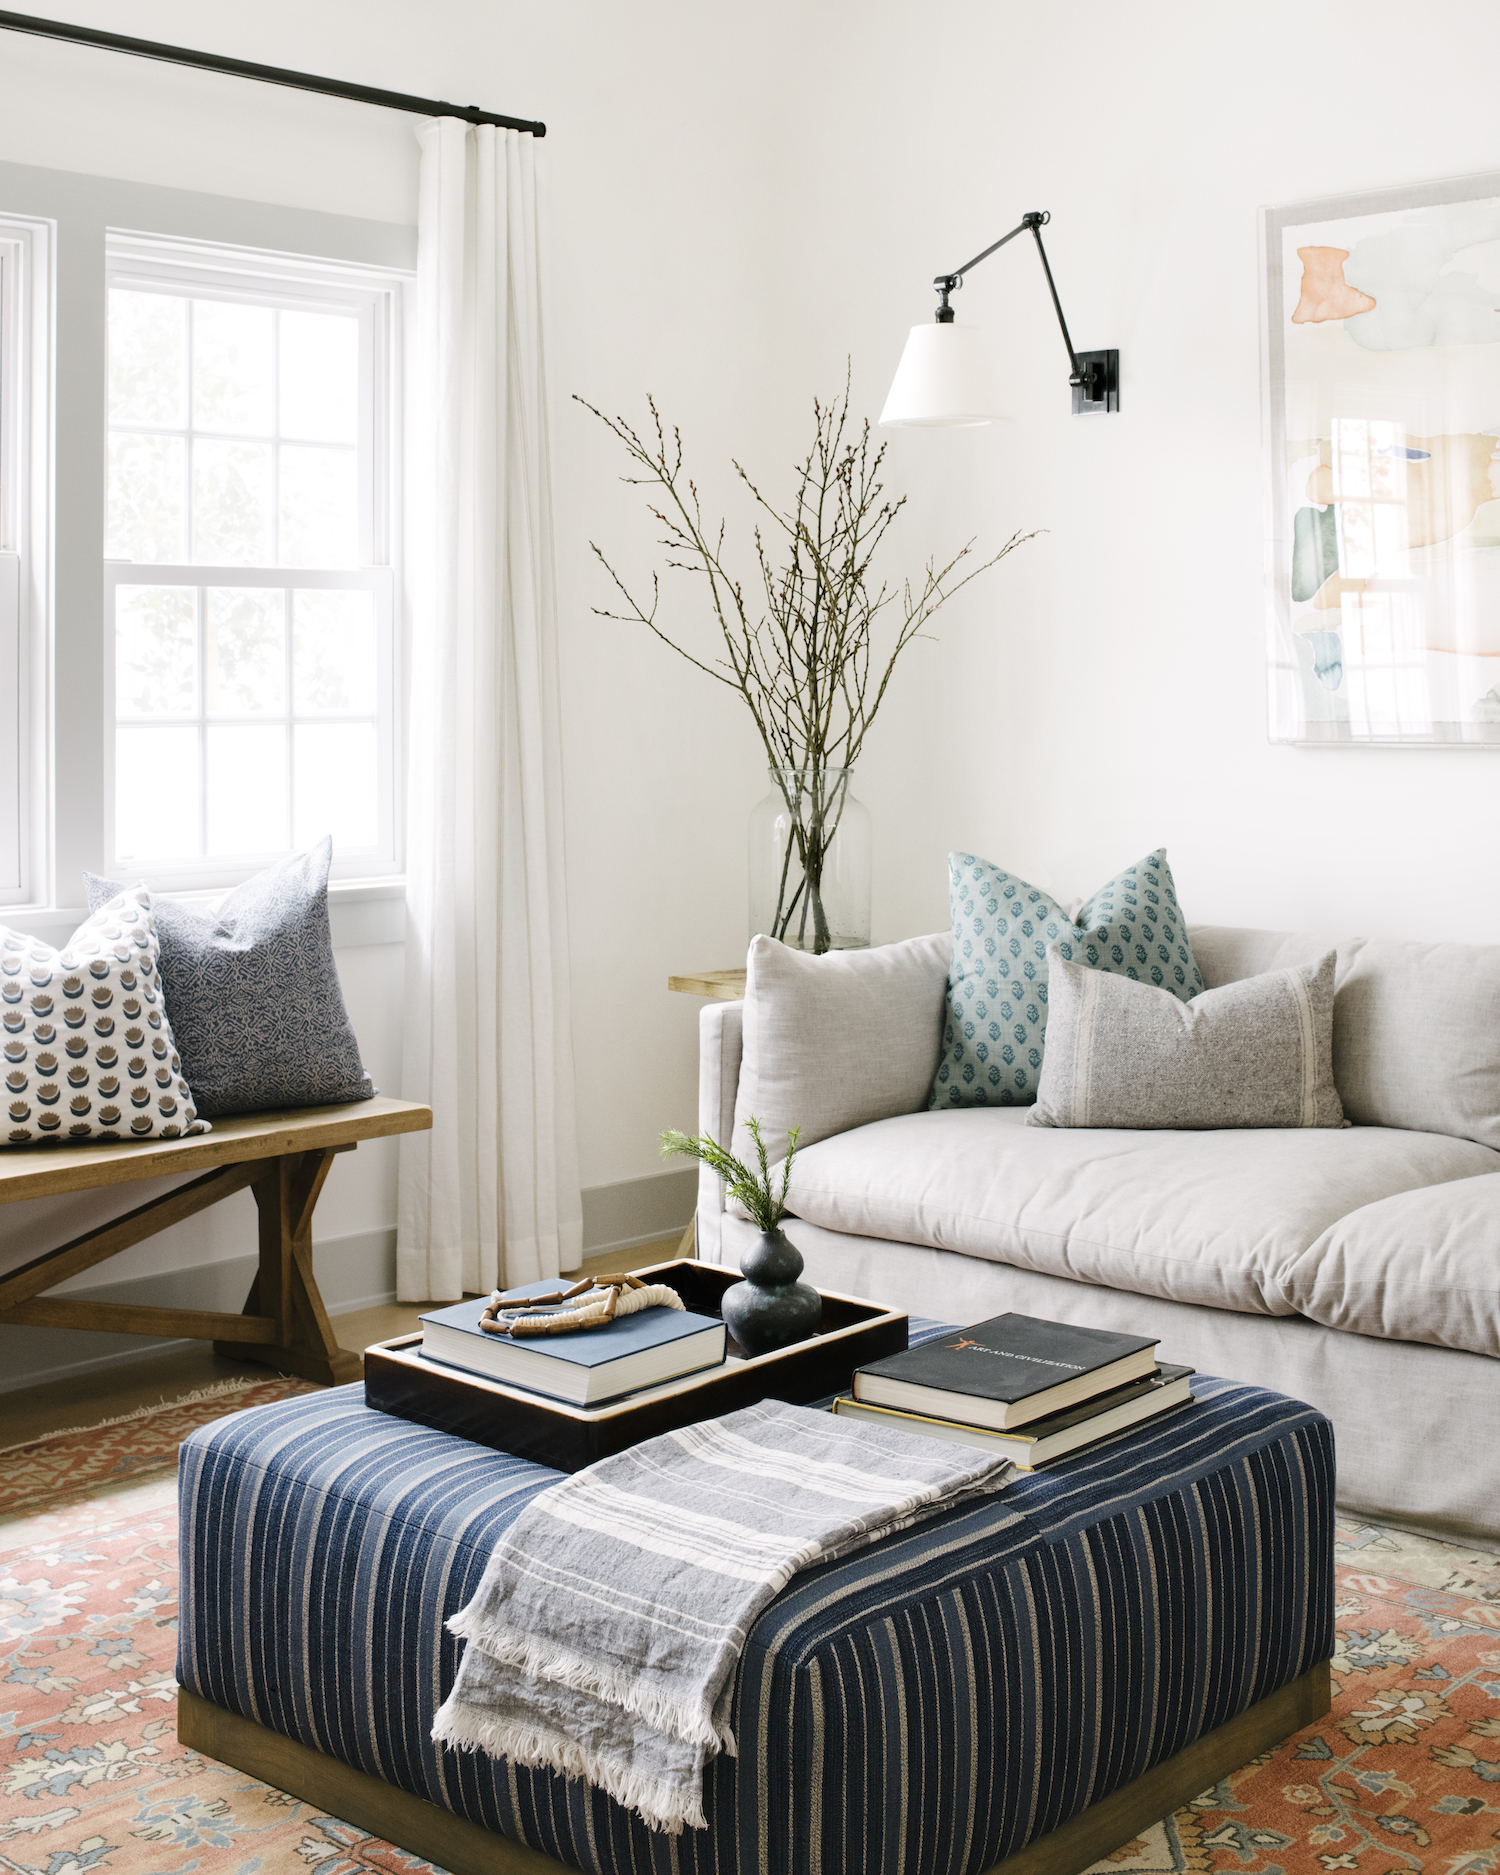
(996, 1024)
(253, 993)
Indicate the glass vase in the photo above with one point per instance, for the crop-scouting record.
(810, 861)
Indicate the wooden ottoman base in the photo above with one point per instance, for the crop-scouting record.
(422, 1829)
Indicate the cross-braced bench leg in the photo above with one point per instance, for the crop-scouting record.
(285, 1290)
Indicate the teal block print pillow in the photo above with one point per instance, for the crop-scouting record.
(996, 1024)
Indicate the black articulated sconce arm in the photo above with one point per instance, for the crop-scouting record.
(1094, 376)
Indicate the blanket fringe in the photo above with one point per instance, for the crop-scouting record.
(541, 1658)
(659, 1805)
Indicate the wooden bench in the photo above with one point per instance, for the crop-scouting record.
(284, 1158)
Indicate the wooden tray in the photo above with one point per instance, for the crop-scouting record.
(399, 1379)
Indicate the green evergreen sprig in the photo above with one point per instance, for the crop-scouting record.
(755, 1192)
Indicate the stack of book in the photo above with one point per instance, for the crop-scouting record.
(1036, 1391)
(587, 1367)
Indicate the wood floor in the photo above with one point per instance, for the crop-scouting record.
(109, 1392)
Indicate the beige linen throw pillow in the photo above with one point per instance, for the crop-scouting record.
(1254, 1053)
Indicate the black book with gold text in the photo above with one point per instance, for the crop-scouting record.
(1006, 1371)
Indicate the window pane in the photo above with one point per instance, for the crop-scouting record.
(320, 377)
(232, 367)
(247, 790)
(145, 498)
(336, 784)
(244, 651)
(232, 503)
(319, 518)
(156, 794)
(333, 653)
(156, 651)
(147, 358)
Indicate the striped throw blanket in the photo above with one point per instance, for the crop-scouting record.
(604, 1637)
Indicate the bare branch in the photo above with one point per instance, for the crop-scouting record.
(804, 657)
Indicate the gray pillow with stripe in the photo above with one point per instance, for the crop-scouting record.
(1254, 1053)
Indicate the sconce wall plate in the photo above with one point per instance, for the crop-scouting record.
(1108, 383)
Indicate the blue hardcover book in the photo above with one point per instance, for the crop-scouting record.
(587, 1367)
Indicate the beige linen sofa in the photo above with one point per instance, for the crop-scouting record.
(1355, 1268)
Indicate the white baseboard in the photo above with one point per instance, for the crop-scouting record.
(357, 1271)
(638, 1210)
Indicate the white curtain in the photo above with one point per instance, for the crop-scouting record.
(490, 1196)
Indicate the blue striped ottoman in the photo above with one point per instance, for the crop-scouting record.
(1027, 1683)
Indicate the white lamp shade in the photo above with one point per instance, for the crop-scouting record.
(947, 375)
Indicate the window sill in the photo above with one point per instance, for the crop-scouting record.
(360, 912)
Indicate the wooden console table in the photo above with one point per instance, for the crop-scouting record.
(722, 986)
(284, 1158)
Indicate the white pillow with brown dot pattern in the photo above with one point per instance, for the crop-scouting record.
(87, 1048)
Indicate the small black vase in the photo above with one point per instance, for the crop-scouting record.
(770, 1309)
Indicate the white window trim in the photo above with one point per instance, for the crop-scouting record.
(135, 259)
(360, 912)
(27, 424)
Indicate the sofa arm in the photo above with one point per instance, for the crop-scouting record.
(721, 1030)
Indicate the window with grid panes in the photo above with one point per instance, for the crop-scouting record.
(248, 583)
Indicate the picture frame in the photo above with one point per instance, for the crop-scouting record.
(1381, 427)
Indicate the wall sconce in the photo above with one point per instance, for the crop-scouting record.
(947, 374)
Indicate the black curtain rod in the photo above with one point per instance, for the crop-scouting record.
(264, 74)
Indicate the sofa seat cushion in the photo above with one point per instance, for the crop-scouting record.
(1214, 1218)
(1420, 1266)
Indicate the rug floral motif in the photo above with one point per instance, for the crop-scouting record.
(91, 1774)
(96, 1461)
(1402, 1776)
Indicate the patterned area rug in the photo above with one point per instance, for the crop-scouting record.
(1404, 1774)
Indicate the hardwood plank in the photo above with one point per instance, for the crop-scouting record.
(96, 1246)
(129, 1318)
(81, 1399)
(606, 1262)
(325, 1370)
(454, 1843)
(103, 1393)
(44, 1171)
(723, 986)
(166, 1374)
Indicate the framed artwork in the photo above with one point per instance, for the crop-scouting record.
(1381, 380)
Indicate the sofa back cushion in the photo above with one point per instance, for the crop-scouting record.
(1416, 1027)
(837, 1041)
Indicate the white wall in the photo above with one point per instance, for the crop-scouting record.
(740, 199)
(1108, 693)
